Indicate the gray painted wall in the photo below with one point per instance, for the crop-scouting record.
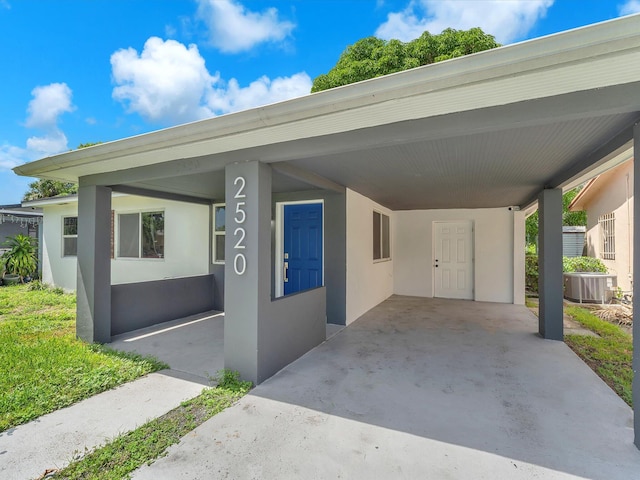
(139, 305)
(550, 264)
(261, 335)
(218, 286)
(335, 248)
(93, 322)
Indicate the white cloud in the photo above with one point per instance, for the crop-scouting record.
(629, 7)
(263, 91)
(44, 109)
(233, 28)
(507, 20)
(169, 83)
(48, 103)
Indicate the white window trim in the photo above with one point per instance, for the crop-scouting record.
(116, 235)
(216, 261)
(69, 236)
(607, 224)
(382, 259)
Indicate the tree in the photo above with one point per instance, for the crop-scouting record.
(44, 188)
(373, 57)
(568, 218)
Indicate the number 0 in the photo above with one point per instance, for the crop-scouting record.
(240, 264)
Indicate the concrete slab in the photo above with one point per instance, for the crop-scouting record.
(53, 440)
(421, 388)
(192, 346)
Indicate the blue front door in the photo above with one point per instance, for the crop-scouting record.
(302, 247)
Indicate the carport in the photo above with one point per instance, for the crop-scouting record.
(487, 135)
(421, 388)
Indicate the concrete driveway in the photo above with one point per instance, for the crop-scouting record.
(421, 388)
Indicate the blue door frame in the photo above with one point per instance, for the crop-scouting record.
(303, 247)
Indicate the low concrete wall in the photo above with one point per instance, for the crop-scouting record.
(139, 305)
(289, 327)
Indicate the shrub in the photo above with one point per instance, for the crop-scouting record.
(531, 272)
(583, 264)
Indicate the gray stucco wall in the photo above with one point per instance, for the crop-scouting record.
(139, 305)
(218, 286)
(289, 327)
(335, 248)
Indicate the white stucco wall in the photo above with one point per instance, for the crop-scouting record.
(493, 252)
(369, 282)
(186, 243)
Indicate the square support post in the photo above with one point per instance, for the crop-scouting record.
(247, 264)
(550, 285)
(636, 285)
(93, 323)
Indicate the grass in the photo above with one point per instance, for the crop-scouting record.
(44, 366)
(130, 451)
(610, 355)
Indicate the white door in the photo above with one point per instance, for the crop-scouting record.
(453, 259)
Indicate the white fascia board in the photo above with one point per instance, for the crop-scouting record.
(590, 57)
(62, 200)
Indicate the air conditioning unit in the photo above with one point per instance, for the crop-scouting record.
(590, 287)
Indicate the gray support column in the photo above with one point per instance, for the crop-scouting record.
(636, 285)
(93, 323)
(247, 263)
(550, 285)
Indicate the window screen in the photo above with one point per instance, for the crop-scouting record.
(129, 235)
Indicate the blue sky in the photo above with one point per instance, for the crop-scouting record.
(78, 71)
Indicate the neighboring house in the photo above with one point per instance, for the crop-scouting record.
(608, 201)
(415, 183)
(16, 219)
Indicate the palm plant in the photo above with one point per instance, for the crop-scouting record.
(20, 259)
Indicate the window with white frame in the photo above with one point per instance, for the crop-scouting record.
(141, 235)
(218, 233)
(607, 225)
(381, 239)
(69, 236)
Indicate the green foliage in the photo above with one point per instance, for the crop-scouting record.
(143, 445)
(44, 366)
(609, 355)
(531, 272)
(583, 264)
(230, 380)
(21, 258)
(574, 219)
(44, 188)
(372, 57)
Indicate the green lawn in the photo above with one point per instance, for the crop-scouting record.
(44, 367)
(609, 355)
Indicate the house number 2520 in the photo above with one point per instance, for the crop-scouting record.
(239, 260)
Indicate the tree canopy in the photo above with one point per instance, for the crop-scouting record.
(44, 188)
(373, 57)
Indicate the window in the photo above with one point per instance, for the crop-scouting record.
(381, 240)
(218, 233)
(607, 224)
(69, 236)
(141, 235)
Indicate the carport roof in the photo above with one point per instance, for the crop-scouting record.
(486, 130)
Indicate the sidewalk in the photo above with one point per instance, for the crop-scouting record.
(53, 440)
